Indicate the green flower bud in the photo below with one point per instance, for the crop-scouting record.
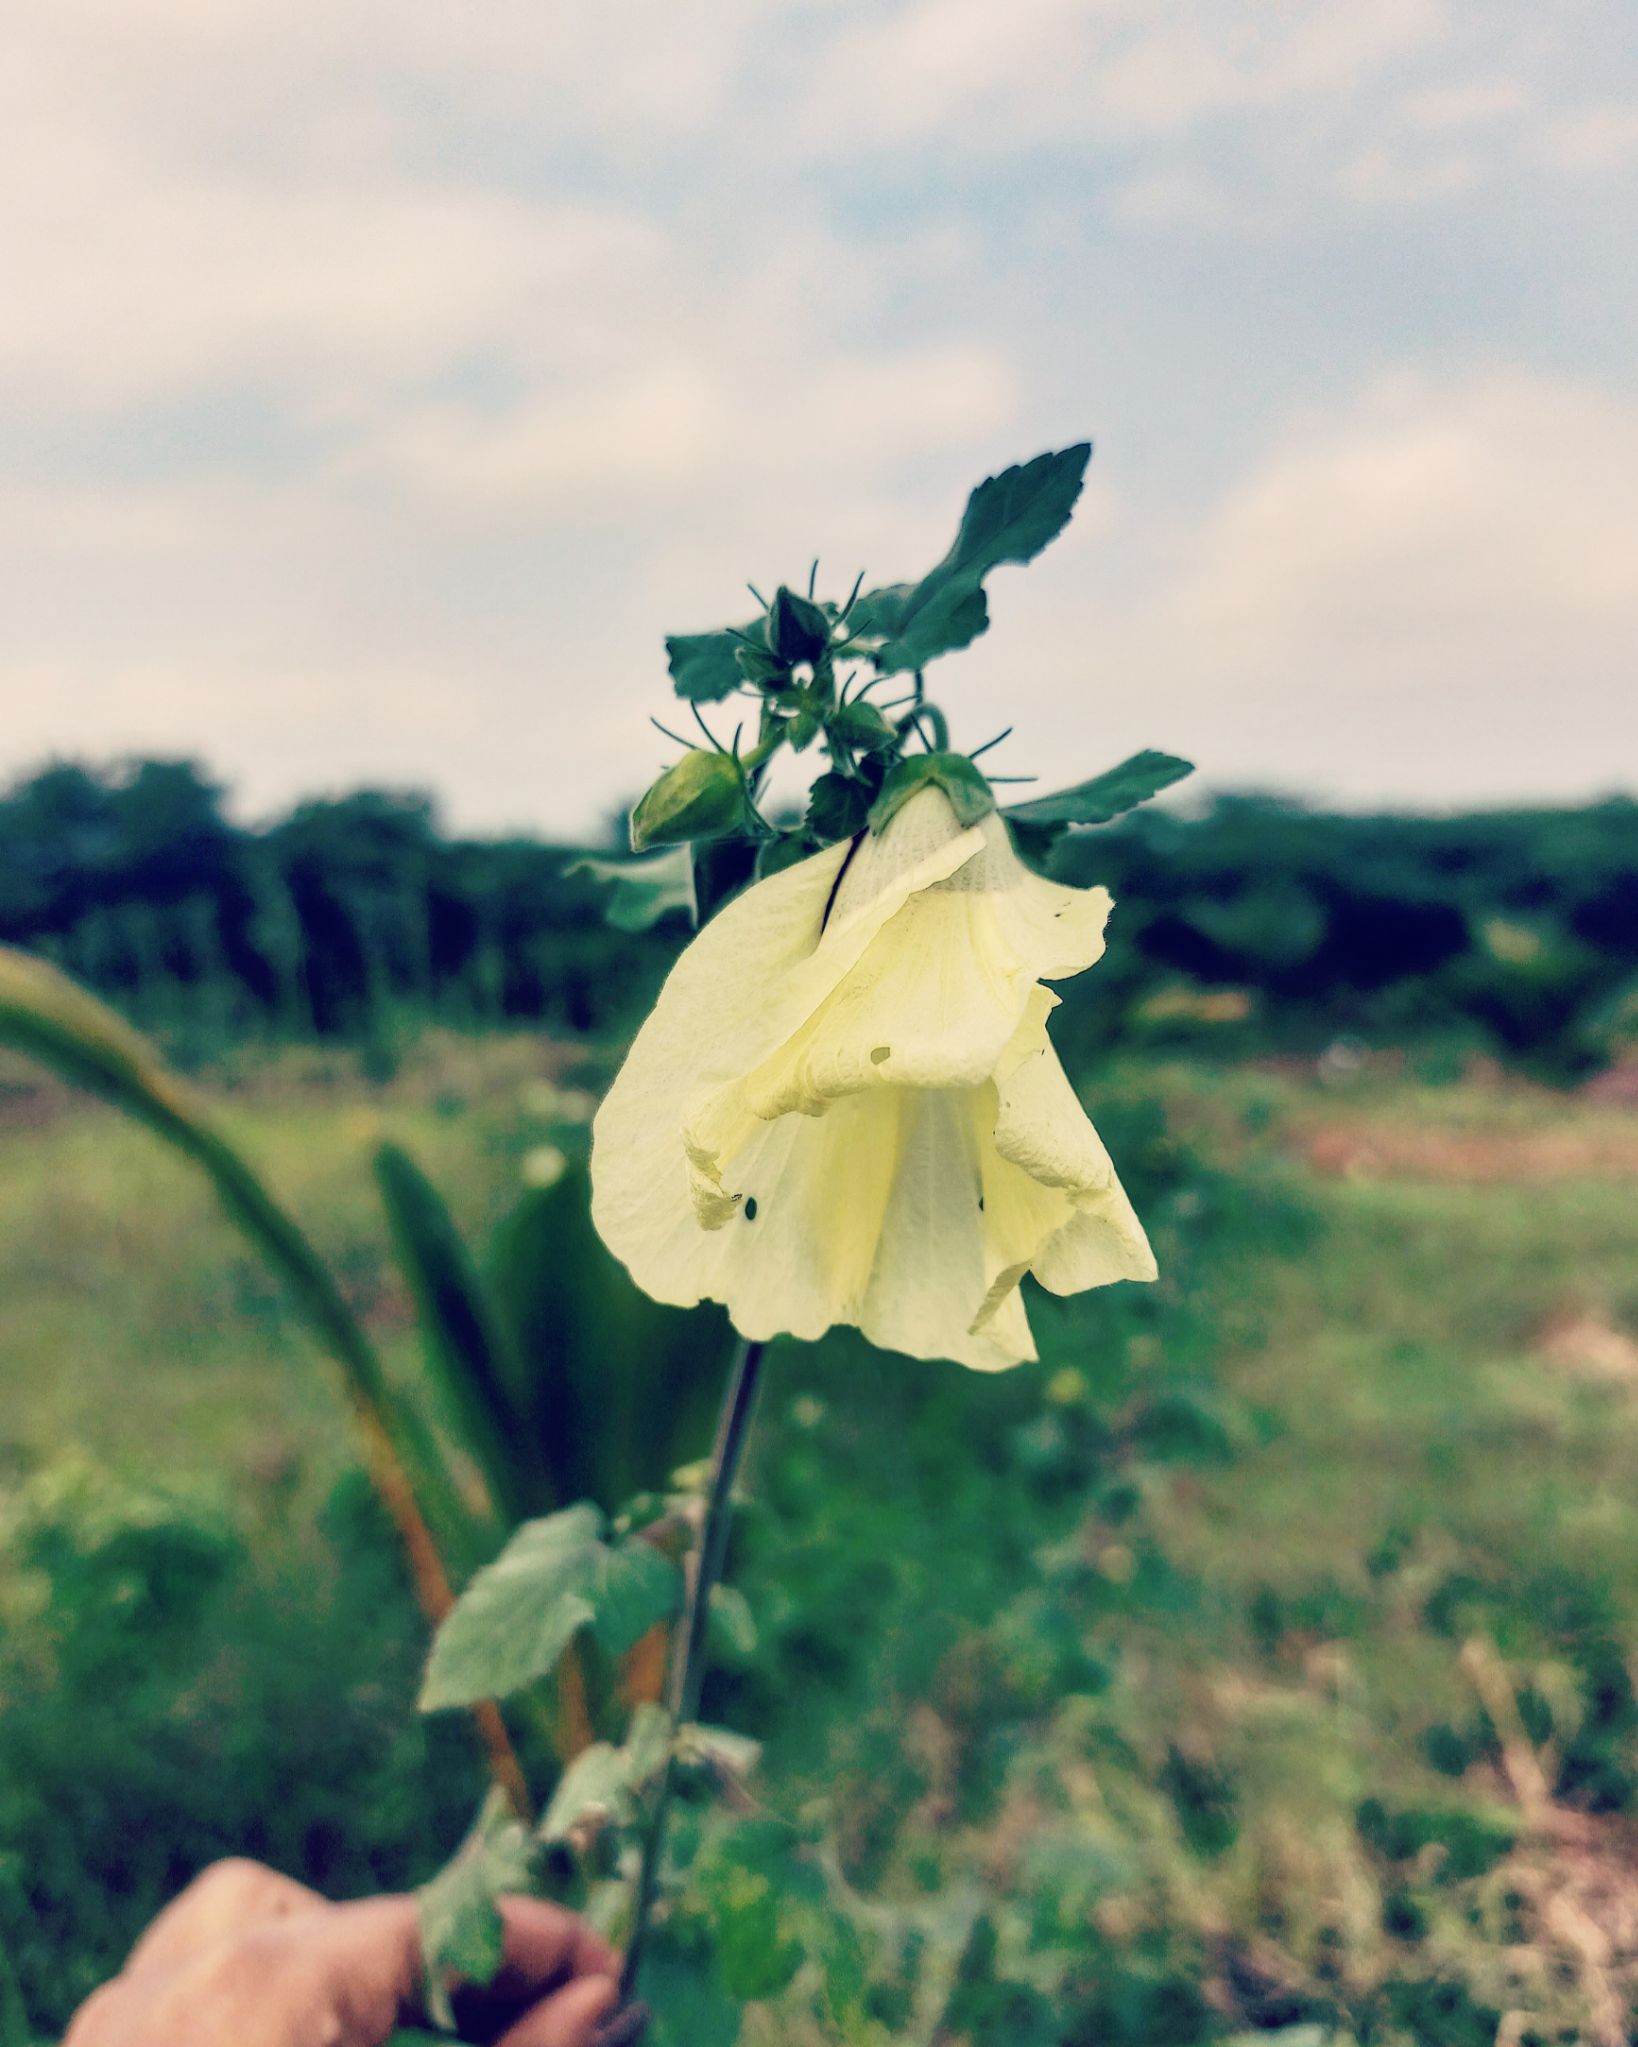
(702, 796)
(861, 726)
(797, 630)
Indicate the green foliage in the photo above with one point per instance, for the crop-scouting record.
(469, 1352)
(44, 1015)
(705, 666)
(1037, 825)
(1009, 518)
(644, 891)
(614, 1389)
(1104, 1697)
(462, 1935)
(554, 1577)
(603, 1783)
(192, 1670)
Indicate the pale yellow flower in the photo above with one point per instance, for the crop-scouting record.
(845, 1107)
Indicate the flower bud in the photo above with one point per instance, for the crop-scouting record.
(797, 630)
(699, 797)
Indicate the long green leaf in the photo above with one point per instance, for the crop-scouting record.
(46, 1016)
(1009, 518)
(467, 1347)
(1105, 796)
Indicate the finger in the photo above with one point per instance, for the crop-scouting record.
(623, 2027)
(221, 1901)
(544, 1948)
(571, 2017)
(366, 1956)
(545, 1944)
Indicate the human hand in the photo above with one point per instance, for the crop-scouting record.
(248, 1958)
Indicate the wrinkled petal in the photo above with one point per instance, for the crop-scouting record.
(1057, 1208)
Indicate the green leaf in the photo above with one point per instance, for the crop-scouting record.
(962, 783)
(603, 1782)
(703, 666)
(555, 1577)
(1107, 795)
(644, 890)
(838, 806)
(461, 1930)
(1009, 518)
(466, 1346)
(755, 1962)
(784, 850)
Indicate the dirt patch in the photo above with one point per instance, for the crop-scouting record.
(1604, 1149)
(1586, 1343)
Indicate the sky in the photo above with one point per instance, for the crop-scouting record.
(379, 383)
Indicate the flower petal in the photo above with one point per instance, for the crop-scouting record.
(929, 1276)
(741, 988)
(1048, 1178)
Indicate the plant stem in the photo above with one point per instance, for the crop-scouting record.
(688, 1662)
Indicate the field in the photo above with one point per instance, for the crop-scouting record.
(1264, 1661)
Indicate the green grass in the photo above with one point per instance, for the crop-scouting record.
(1128, 1690)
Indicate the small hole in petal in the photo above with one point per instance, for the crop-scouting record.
(750, 1208)
(880, 1052)
(981, 1204)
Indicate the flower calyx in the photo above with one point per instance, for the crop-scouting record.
(969, 794)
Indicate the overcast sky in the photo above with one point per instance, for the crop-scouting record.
(380, 382)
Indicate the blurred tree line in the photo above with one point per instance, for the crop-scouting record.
(1258, 921)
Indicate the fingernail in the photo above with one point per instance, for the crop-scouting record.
(621, 2028)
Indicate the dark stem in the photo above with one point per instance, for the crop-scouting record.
(688, 1661)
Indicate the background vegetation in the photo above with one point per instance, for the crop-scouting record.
(358, 918)
(1263, 1661)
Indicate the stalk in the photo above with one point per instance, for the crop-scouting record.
(688, 1662)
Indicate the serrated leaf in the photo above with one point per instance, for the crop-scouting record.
(462, 1935)
(952, 618)
(1009, 518)
(704, 666)
(1105, 796)
(518, 1615)
(838, 806)
(644, 890)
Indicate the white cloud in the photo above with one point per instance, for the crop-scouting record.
(1432, 591)
(1473, 102)
(1593, 139)
(1383, 176)
(681, 429)
(990, 76)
